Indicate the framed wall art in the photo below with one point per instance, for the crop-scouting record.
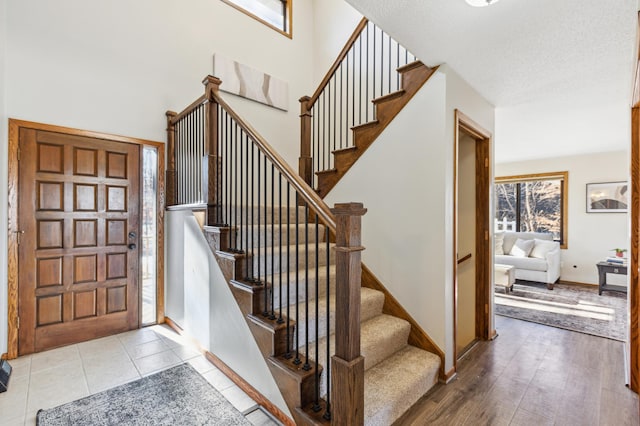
(607, 197)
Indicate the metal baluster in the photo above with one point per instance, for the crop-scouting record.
(280, 320)
(316, 406)
(389, 63)
(327, 413)
(273, 249)
(306, 366)
(341, 112)
(266, 256)
(297, 358)
(366, 73)
(288, 354)
(239, 210)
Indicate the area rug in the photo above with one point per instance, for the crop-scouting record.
(572, 307)
(178, 396)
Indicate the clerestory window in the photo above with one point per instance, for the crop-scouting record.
(273, 13)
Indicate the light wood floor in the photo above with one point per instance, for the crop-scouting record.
(533, 375)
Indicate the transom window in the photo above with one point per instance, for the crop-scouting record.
(273, 13)
(533, 203)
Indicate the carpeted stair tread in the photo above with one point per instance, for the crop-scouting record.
(381, 337)
(263, 234)
(243, 215)
(288, 280)
(266, 255)
(394, 385)
(371, 302)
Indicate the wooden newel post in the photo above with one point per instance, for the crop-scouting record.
(211, 161)
(347, 365)
(305, 168)
(171, 196)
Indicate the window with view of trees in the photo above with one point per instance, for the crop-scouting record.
(534, 203)
(273, 13)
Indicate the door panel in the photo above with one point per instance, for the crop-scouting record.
(77, 204)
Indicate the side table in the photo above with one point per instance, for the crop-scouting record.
(605, 268)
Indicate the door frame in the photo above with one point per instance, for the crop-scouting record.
(12, 216)
(484, 310)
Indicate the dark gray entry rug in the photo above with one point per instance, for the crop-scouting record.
(572, 307)
(178, 396)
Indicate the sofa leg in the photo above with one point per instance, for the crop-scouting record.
(550, 286)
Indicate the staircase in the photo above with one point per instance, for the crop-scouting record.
(370, 82)
(396, 375)
(341, 349)
(413, 76)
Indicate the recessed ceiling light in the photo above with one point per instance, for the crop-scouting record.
(481, 3)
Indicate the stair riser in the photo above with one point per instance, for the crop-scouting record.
(266, 264)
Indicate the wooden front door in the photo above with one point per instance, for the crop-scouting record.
(78, 217)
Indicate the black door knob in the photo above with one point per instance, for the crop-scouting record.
(132, 234)
(131, 246)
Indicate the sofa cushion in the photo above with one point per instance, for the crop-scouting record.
(511, 237)
(522, 248)
(528, 263)
(498, 240)
(542, 247)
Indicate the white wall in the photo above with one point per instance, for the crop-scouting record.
(333, 24)
(408, 229)
(591, 235)
(117, 66)
(213, 316)
(3, 183)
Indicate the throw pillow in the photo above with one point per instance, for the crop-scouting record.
(522, 248)
(498, 239)
(542, 247)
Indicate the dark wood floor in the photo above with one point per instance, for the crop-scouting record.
(533, 375)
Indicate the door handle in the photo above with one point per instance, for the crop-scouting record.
(131, 246)
(132, 234)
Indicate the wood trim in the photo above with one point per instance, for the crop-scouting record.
(449, 375)
(298, 184)
(634, 284)
(636, 82)
(235, 378)
(289, 18)
(161, 237)
(482, 137)
(12, 214)
(465, 258)
(417, 336)
(336, 64)
(564, 176)
(12, 243)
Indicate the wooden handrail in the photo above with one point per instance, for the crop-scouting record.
(301, 187)
(343, 53)
(188, 110)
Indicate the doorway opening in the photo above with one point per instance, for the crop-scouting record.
(472, 272)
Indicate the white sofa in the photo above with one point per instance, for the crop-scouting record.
(534, 261)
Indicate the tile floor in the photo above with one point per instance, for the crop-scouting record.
(58, 376)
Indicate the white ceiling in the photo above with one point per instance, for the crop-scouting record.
(558, 71)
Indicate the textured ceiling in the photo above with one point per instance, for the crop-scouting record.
(558, 71)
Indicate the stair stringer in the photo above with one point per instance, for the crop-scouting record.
(225, 329)
(414, 76)
(295, 384)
